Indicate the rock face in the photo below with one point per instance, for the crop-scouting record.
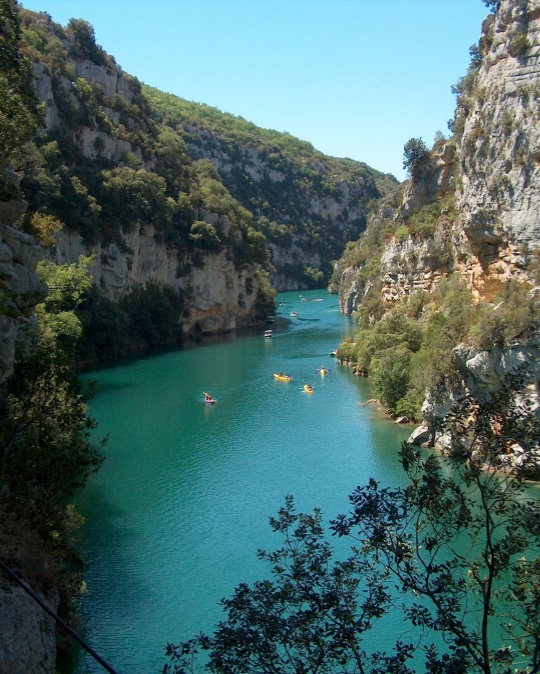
(341, 212)
(222, 296)
(499, 197)
(20, 615)
(410, 263)
(20, 287)
(306, 204)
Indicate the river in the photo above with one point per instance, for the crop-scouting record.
(178, 510)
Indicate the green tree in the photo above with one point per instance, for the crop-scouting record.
(67, 283)
(85, 42)
(457, 551)
(203, 235)
(415, 154)
(19, 113)
(154, 312)
(389, 371)
(311, 617)
(136, 196)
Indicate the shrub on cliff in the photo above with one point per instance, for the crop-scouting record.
(514, 314)
(45, 452)
(415, 155)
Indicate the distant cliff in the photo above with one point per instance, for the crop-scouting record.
(467, 216)
(307, 204)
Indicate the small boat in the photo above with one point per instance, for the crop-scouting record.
(282, 377)
(294, 313)
(317, 299)
(308, 388)
(333, 353)
(268, 334)
(208, 398)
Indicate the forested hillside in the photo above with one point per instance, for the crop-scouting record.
(307, 205)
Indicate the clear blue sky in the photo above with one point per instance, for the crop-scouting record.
(356, 78)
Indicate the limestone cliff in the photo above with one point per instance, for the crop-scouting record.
(96, 117)
(324, 196)
(472, 210)
(499, 195)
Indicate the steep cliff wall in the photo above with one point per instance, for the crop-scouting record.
(470, 211)
(492, 165)
(100, 119)
(499, 195)
(320, 210)
(409, 259)
(221, 296)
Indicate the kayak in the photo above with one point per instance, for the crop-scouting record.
(282, 377)
(208, 399)
(308, 388)
(323, 371)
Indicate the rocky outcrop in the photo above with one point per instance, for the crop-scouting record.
(481, 375)
(481, 195)
(409, 262)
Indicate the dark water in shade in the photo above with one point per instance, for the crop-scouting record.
(178, 510)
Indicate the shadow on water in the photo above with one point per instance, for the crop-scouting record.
(119, 541)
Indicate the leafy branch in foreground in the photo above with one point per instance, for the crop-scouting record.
(456, 551)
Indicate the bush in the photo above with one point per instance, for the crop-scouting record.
(518, 45)
(516, 314)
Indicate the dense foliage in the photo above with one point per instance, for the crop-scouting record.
(455, 553)
(410, 350)
(154, 183)
(154, 179)
(19, 114)
(46, 452)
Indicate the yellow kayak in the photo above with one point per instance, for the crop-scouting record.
(282, 377)
(308, 388)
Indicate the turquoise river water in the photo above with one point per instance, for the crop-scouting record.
(178, 510)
